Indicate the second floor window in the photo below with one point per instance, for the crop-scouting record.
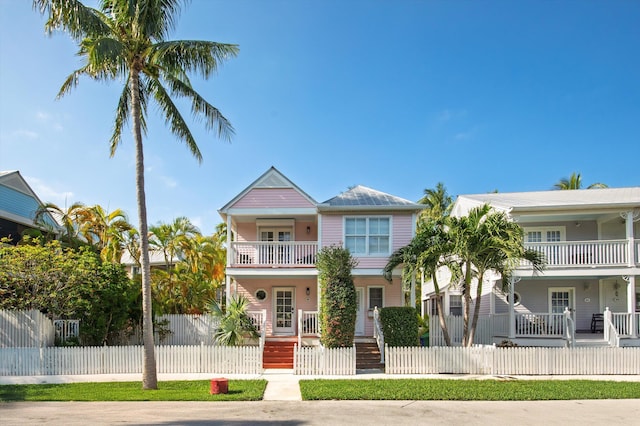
(543, 235)
(367, 235)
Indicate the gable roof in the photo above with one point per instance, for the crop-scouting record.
(18, 202)
(363, 198)
(578, 199)
(272, 178)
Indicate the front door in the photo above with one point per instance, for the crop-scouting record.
(559, 299)
(284, 310)
(360, 311)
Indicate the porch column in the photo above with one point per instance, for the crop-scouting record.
(229, 256)
(631, 303)
(628, 216)
(422, 291)
(512, 313)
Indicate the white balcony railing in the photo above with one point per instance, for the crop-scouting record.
(308, 325)
(583, 253)
(268, 253)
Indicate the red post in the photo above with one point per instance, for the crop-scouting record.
(219, 386)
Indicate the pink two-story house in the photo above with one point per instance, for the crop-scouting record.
(275, 231)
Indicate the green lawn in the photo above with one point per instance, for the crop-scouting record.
(197, 390)
(466, 390)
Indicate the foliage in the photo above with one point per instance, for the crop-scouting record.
(400, 326)
(235, 323)
(466, 390)
(67, 284)
(337, 297)
(193, 390)
(575, 182)
(437, 201)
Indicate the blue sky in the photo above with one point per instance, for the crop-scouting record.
(394, 95)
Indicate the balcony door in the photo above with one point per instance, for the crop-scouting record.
(284, 310)
(271, 254)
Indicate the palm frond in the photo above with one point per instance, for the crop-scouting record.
(198, 56)
(71, 16)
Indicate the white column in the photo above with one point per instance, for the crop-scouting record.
(629, 233)
(412, 297)
(229, 257)
(631, 303)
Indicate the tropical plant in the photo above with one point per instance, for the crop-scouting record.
(483, 241)
(438, 203)
(428, 251)
(235, 323)
(337, 297)
(126, 40)
(575, 182)
(68, 218)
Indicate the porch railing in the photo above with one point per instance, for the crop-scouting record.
(259, 321)
(622, 322)
(531, 324)
(584, 253)
(378, 333)
(569, 328)
(269, 253)
(308, 324)
(610, 331)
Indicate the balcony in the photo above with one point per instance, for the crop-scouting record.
(289, 254)
(591, 254)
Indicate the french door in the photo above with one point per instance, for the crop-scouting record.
(271, 253)
(284, 310)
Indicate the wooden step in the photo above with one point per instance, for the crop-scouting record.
(278, 354)
(368, 356)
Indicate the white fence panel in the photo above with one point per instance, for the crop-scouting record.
(483, 333)
(513, 361)
(318, 360)
(21, 329)
(128, 359)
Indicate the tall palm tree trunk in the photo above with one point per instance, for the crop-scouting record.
(149, 375)
(440, 307)
(466, 304)
(476, 312)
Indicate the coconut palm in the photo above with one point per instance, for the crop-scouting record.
(68, 218)
(484, 241)
(126, 40)
(575, 182)
(438, 202)
(105, 231)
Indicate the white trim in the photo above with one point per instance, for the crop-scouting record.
(275, 223)
(543, 230)
(285, 331)
(273, 211)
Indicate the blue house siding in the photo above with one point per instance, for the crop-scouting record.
(20, 204)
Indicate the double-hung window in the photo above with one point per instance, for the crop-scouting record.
(368, 236)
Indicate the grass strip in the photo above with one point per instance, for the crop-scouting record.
(183, 390)
(466, 390)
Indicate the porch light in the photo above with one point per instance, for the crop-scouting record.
(308, 229)
(308, 291)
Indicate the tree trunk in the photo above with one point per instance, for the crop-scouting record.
(440, 307)
(149, 375)
(466, 303)
(476, 311)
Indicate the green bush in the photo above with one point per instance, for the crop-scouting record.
(400, 326)
(337, 297)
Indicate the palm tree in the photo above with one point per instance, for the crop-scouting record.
(438, 202)
(68, 218)
(125, 40)
(575, 182)
(105, 231)
(429, 250)
(484, 241)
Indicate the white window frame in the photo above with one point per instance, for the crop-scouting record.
(367, 235)
(572, 296)
(543, 231)
(369, 307)
(451, 295)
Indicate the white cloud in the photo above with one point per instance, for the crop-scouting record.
(49, 194)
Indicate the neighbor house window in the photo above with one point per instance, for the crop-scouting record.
(368, 235)
(544, 234)
(376, 297)
(455, 304)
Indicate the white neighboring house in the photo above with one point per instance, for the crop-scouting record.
(591, 241)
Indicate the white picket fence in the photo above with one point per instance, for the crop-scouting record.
(483, 334)
(25, 329)
(512, 361)
(181, 329)
(318, 360)
(128, 359)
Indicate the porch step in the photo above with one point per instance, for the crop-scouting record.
(278, 354)
(368, 356)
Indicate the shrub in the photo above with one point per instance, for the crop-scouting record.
(400, 326)
(337, 297)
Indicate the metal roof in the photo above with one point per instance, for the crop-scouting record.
(363, 197)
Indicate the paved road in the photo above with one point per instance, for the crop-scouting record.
(596, 412)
